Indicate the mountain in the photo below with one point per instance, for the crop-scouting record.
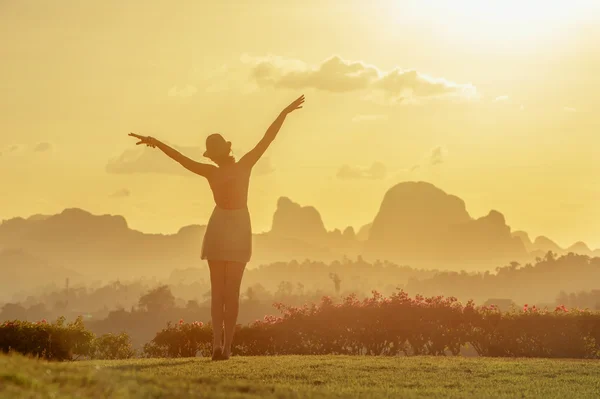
(363, 232)
(104, 247)
(418, 223)
(545, 245)
(295, 221)
(542, 245)
(580, 248)
(524, 237)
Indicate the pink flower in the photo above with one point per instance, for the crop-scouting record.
(180, 321)
(44, 321)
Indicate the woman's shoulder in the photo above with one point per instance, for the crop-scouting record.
(242, 167)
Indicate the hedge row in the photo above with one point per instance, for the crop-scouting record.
(397, 325)
(60, 341)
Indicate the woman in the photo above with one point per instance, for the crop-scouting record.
(227, 242)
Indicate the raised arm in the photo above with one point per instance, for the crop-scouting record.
(254, 154)
(198, 168)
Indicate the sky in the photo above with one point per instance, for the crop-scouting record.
(495, 102)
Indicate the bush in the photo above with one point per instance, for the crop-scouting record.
(52, 341)
(110, 346)
(398, 325)
(181, 340)
(60, 341)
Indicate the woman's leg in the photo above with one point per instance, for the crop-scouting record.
(217, 302)
(233, 279)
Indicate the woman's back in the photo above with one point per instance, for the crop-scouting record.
(229, 184)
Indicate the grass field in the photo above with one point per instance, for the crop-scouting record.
(301, 376)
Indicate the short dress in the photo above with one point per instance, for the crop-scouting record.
(228, 235)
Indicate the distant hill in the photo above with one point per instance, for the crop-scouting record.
(417, 224)
(542, 245)
(421, 224)
(104, 247)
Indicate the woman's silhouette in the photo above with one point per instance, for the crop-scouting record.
(227, 244)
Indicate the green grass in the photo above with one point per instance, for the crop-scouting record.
(301, 376)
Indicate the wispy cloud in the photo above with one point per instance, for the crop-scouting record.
(122, 193)
(13, 148)
(374, 172)
(149, 160)
(569, 109)
(437, 157)
(338, 75)
(263, 167)
(43, 147)
(501, 99)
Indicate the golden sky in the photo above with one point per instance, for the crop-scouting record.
(495, 102)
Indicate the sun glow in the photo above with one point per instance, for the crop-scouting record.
(509, 21)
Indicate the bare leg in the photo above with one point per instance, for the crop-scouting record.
(217, 289)
(234, 272)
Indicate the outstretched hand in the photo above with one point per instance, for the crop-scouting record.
(149, 141)
(297, 104)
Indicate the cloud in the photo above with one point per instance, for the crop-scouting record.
(501, 99)
(263, 167)
(337, 75)
(376, 171)
(569, 109)
(122, 193)
(437, 156)
(42, 147)
(13, 148)
(152, 160)
(186, 91)
(369, 118)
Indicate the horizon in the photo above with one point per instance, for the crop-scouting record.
(269, 228)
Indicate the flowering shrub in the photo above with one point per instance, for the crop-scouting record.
(53, 341)
(110, 346)
(535, 332)
(181, 340)
(399, 325)
(377, 325)
(374, 326)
